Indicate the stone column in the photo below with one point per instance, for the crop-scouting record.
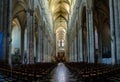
(9, 30)
(28, 30)
(39, 45)
(112, 30)
(35, 49)
(32, 38)
(78, 47)
(30, 35)
(47, 50)
(100, 47)
(80, 44)
(5, 27)
(87, 42)
(73, 51)
(72, 54)
(44, 51)
(90, 36)
(22, 50)
(118, 31)
(115, 30)
(75, 46)
(48, 54)
(68, 52)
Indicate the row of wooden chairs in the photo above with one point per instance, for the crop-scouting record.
(114, 77)
(90, 71)
(28, 72)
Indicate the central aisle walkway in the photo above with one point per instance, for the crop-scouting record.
(62, 74)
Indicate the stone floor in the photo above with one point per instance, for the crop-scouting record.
(62, 74)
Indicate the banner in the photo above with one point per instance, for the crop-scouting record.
(1, 43)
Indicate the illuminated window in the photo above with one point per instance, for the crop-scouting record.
(62, 43)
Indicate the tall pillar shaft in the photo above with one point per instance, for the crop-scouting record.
(112, 30)
(5, 27)
(72, 53)
(47, 50)
(115, 30)
(90, 36)
(30, 35)
(80, 44)
(44, 51)
(9, 30)
(74, 50)
(100, 48)
(75, 46)
(39, 45)
(48, 54)
(28, 20)
(32, 40)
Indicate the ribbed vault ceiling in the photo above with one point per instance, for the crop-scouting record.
(60, 10)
